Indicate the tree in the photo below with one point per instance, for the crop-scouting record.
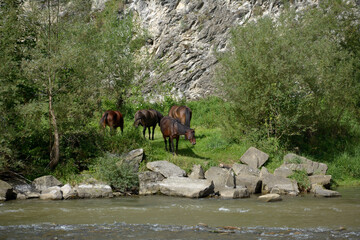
(294, 76)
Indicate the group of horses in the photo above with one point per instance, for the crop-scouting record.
(174, 125)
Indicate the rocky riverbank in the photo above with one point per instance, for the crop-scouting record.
(239, 180)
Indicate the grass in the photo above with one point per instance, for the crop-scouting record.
(210, 150)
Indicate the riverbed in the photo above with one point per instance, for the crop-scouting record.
(161, 217)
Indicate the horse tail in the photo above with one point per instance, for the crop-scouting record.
(188, 115)
(103, 120)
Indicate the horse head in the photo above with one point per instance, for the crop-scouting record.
(190, 135)
(138, 119)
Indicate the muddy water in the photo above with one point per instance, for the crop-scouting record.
(160, 217)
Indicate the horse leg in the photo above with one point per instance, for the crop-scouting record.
(172, 145)
(149, 133)
(165, 144)
(144, 130)
(177, 144)
(153, 132)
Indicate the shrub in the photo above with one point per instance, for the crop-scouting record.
(294, 79)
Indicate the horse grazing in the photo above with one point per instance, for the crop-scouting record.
(113, 119)
(171, 128)
(181, 113)
(147, 119)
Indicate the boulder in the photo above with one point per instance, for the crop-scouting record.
(254, 157)
(240, 169)
(133, 158)
(186, 187)
(270, 197)
(6, 191)
(284, 185)
(251, 182)
(166, 168)
(20, 184)
(323, 180)
(296, 162)
(232, 193)
(68, 192)
(94, 190)
(283, 171)
(45, 182)
(320, 191)
(221, 177)
(149, 182)
(197, 172)
(51, 193)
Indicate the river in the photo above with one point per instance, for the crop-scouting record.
(161, 217)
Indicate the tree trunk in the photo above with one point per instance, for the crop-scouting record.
(55, 150)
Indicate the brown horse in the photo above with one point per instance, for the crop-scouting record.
(113, 119)
(171, 128)
(147, 119)
(182, 114)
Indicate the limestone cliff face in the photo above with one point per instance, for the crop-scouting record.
(186, 33)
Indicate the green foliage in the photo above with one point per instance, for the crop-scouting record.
(302, 179)
(121, 176)
(293, 80)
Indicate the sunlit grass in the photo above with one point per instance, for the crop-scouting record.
(211, 149)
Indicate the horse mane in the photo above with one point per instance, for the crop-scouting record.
(181, 127)
(159, 116)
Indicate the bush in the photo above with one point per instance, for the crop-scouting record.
(302, 179)
(120, 176)
(294, 79)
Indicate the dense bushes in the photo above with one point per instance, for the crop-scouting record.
(295, 79)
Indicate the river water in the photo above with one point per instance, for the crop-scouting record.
(161, 217)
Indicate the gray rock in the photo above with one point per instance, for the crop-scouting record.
(296, 162)
(251, 182)
(283, 171)
(285, 185)
(221, 177)
(254, 157)
(45, 182)
(133, 158)
(186, 187)
(323, 180)
(94, 191)
(149, 182)
(51, 193)
(240, 169)
(197, 172)
(270, 197)
(166, 168)
(319, 191)
(232, 193)
(6, 191)
(68, 192)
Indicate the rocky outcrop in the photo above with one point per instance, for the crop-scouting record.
(97, 190)
(166, 168)
(186, 187)
(295, 162)
(45, 182)
(281, 184)
(272, 197)
(185, 34)
(254, 158)
(6, 191)
(197, 172)
(51, 193)
(149, 182)
(222, 178)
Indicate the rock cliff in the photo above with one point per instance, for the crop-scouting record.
(185, 34)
